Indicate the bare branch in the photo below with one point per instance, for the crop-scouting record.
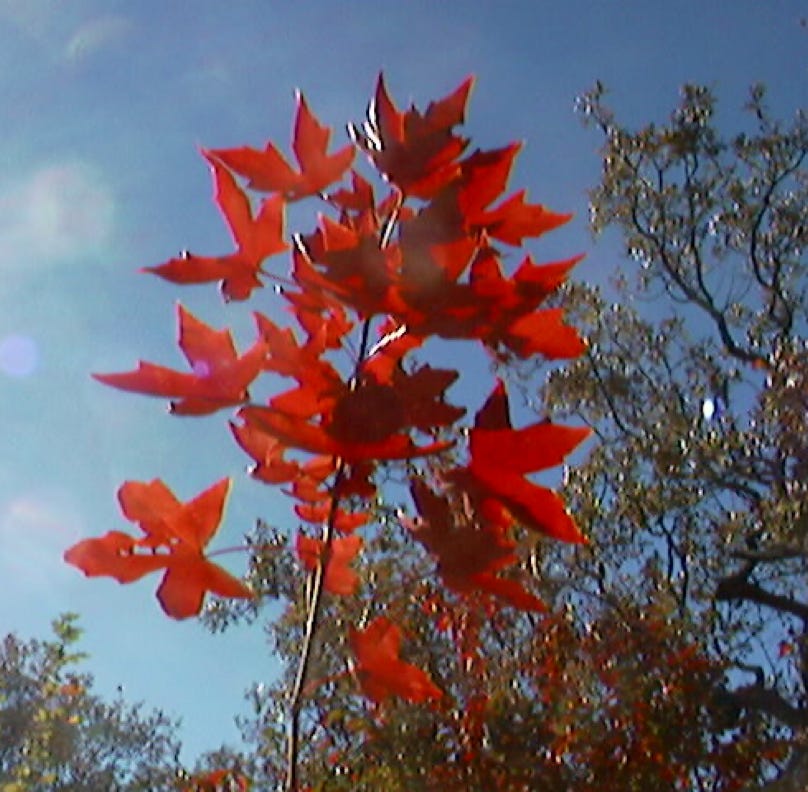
(738, 587)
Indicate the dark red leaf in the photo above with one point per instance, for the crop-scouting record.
(415, 152)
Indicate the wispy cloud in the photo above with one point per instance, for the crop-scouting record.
(35, 530)
(95, 35)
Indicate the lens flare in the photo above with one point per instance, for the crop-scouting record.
(18, 356)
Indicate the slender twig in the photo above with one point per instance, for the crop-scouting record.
(317, 575)
(315, 596)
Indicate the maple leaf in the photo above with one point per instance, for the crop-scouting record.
(470, 551)
(218, 781)
(541, 333)
(507, 315)
(175, 536)
(513, 219)
(345, 522)
(317, 504)
(359, 198)
(219, 377)
(339, 577)
(415, 152)
(324, 319)
(498, 311)
(324, 415)
(380, 671)
(268, 171)
(502, 456)
(267, 453)
(357, 444)
(256, 239)
(355, 268)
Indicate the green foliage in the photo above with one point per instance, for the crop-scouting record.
(56, 735)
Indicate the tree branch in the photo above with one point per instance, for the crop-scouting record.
(771, 554)
(770, 702)
(738, 587)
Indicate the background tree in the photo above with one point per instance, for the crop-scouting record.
(695, 381)
(674, 656)
(56, 735)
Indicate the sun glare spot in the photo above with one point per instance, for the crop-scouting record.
(57, 213)
(18, 356)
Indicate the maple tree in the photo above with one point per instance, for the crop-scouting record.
(367, 290)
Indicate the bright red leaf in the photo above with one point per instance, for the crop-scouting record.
(267, 454)
(219, 377)
(380, 671)
(494, 309)
(500, 459)
(339, 577)
(268, 171)
(256, 239)
(175, 537)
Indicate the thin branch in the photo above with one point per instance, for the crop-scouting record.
(315, 597)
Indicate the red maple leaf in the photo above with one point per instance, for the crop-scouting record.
(359, 198)
(256, 239)
(268, 171)
(498, 311)
(175, 536)
(268, 455)
(484, 177)
(218, 781)
(470, 550)
(463, 206)
(358, 443)
(327, 416)
(355, 268)
(339, 577)
(317, 507)
(219, 377)
(380, 671)
(502, 456)
(415, 151)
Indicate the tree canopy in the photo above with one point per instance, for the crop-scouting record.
(57, 735)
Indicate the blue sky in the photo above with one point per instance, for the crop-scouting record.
(102, 107)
